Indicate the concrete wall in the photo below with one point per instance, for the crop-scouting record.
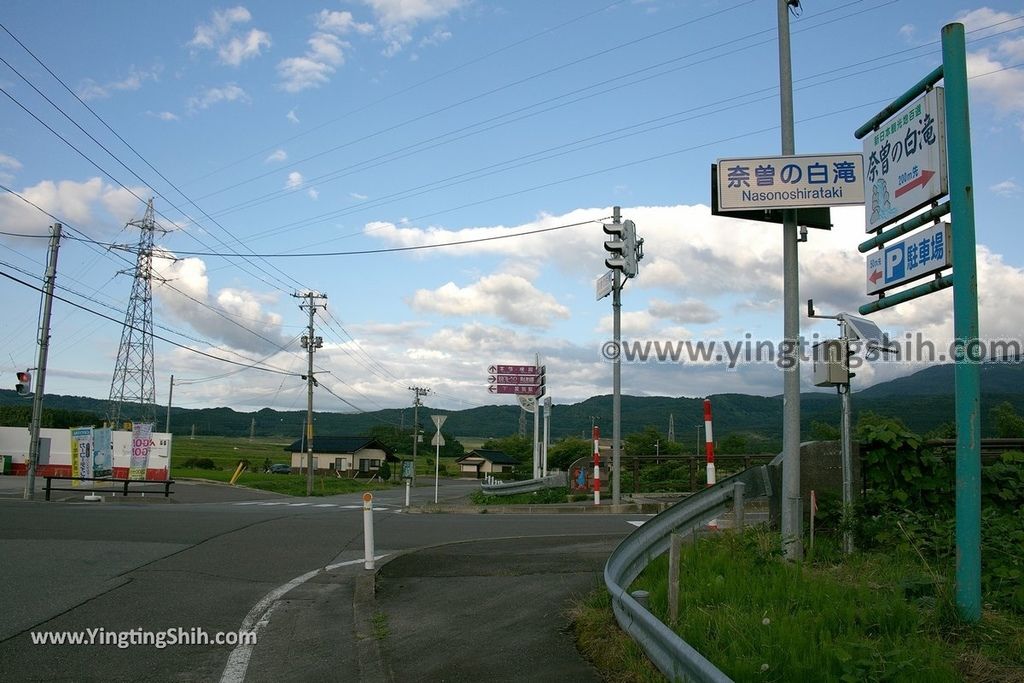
(821, 470)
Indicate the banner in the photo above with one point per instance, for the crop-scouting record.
(142, 441)
(102, 453)
(81, 455)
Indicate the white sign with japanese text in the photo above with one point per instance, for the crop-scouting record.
(923, 253)
(906, 161)
(790, 182)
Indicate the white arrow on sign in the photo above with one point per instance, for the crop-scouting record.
(438, 421)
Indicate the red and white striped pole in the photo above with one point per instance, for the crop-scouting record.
(597, 465)
(709, 451)
(709, 442)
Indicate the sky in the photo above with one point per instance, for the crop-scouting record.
(306, 146)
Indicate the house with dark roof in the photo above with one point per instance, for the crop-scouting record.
(481, 461)
(349, 455)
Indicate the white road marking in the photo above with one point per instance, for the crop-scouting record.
(636, 522)
(259, 616)
(326, 505)
(296, 505)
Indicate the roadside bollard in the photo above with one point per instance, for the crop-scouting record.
(407, 482)
(368, 530)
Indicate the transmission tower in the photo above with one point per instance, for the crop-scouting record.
(133, 388)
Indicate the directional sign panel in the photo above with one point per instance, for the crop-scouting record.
(905, 161)
(512, 369)
(524, 389)
(923, 253)
(790, 182)
(513, 379)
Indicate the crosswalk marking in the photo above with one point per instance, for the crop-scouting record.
(318, 505)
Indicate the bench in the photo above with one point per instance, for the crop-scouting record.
(122, 486)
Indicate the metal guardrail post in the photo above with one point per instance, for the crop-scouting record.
(737, 503)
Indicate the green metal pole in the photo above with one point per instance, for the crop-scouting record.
(965, 326)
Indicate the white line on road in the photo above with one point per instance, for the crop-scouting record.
(259, 616)
(636, 522)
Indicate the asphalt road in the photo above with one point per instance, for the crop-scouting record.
(292, 569)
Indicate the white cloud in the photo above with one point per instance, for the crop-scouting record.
(276, 156)
(356, 195)
(341, 23)
(1007, 188)
(233, 47)
(398, 18)
(7, 161)
(91, 204)
(239, 319)
(313, 193)
(686, 311)
(325, 54)
(294, 180)
(508, 297)
(163, 115)
(88, 89)
(292, 116)
(212, 96)
(239, 49)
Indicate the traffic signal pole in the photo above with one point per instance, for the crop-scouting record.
(44, 346)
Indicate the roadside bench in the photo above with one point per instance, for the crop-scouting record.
(122, 486)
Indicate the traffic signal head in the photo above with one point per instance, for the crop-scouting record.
(615, 246)
(633, 250)
(24, 385)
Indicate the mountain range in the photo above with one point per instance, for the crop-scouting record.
(923, 400)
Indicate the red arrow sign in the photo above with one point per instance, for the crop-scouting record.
(875, 277)
(919, 181)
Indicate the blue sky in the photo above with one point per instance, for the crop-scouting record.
(269, 130)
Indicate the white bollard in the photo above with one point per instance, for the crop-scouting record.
(368, 530)
(407, 493)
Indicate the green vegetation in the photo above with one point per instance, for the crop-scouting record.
(887, 612)
(288, 484)
(542, 497)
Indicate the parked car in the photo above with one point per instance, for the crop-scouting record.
(280, 468)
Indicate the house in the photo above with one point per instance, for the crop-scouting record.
(347, 454)
(480, 461)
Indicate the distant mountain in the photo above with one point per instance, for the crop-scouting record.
(923, 401)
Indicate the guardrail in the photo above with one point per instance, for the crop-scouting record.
(510, 488)
(670, 653)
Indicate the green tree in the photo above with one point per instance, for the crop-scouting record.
(823, 431)
(519, 447)
(563, 453)
(385, 471)
(1008, 424)
(650, 442)
(733, 444)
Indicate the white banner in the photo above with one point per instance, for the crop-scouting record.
(142, 441)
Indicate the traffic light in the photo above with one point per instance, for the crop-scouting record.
(634, 250)
(542, 380)
(24, 385)
(616, 246)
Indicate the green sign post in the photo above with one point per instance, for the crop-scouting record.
(964, 282)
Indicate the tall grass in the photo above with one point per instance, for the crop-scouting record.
(759, 618)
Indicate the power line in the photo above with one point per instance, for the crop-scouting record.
(252, 366)
(413, 248)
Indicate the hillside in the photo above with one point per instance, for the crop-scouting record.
(923, 400)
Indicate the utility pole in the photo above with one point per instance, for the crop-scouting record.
(311, 343)
(252, 429)
(671, 427)
(792, 521)
(170, 397)
(626, 253)
(44, 346)
(547, 436)
(417, 393)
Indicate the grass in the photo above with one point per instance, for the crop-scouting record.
(226, 452)
(380, 626)
(868, 617)
(542, 497)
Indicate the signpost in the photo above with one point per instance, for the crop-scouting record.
(906, 161)
(437, 442)
(791, 181)
(927, 119)
(923, 253)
